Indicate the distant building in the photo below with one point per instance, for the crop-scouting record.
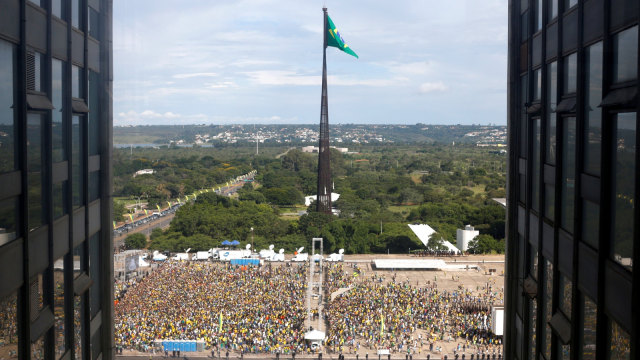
(309, 199)
(464, 237)
(143, 172)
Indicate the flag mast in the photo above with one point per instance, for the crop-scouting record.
(323, 203)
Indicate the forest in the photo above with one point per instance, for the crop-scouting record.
(382, 189)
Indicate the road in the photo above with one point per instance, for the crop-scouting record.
(146, 229)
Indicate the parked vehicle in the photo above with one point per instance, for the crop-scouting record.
(336, 257)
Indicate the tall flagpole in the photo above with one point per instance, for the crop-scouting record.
(323, 203)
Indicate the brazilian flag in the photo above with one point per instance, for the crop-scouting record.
(334, 39)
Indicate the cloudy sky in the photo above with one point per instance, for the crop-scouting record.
(260, 61)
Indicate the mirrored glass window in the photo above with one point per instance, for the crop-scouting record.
(58, 307)
(623, 186)
(625, 55)
(7, 115)
(593, 113)
(78, 159)
(568, 173)
(553, 9)
(619, 342)
(590, 222)
(58, 134)
(36, 170)
(535, 164)
(570, 73)
(588, 328)
(8, 220)
(552, 95)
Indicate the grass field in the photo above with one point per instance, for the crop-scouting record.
(402, 209)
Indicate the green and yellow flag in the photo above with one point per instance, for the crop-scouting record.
(334, 39)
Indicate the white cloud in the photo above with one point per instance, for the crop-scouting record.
(432, 87)
(195, 75)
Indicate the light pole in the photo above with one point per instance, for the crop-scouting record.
(252, 249)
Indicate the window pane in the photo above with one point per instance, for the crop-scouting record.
(553, 9)
(568, 173)
(94, 185)
(552, 91)
(57, 115)
(37, 2)
(58, 304)
(533, 261)
(590, 223)
(625, 55)
(537, 84)
(94, 18)
(523, 115)
(8, 220)
(78, 326)
(524, 26)
(76, 81)
(95, 272)
(60, 204)
(94, 113)
(593, 113)
(76, 13)
(56, 8)
(588, 328)
(623, 182)
(533, 318)
(77, 180)
(37, 299)
(35, 175)
(538, 16)
(7, 115)
(570, 73)
(535, 163)
(565, 289)
(9, 326)
(620, 344)
(549, 201)
(37, 349)
(547, 309)
(569, 4)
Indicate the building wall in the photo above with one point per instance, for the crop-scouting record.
(55, 179)
(572, 225)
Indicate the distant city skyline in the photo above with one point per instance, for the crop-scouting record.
(244, 62)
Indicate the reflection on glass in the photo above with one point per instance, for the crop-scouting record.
(549, 201)
(564, 352)
(537, 84)
(552, 91)
(533, 317)
(547, 310)
(620, 344)
(94, 113)
(7, 116)
(569, 4)
(94, 18)
(553, 9)
(523, 116)
(58, 306)
(9, 326)
(94, 272)
(533, 261)
(593, 113)
(524, 26)
(78, 328)
(570, 73)
(538, 16)
(568, 173)
(564, 299)
(623, 186)
(75, 81)
(590, 222)
(8, 219)
(588, 327)
(56, 8)
(535, 164)
(60, 206)
(625, 55)
(37, 349)
(35, 175)
(94, 185)
(57, 126)
(37, 299)
(76, 13)
(77, 160)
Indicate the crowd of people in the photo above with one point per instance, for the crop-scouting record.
(394, 315)
(237, 308)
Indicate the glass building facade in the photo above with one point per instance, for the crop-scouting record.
(55, 179)
(571, 288)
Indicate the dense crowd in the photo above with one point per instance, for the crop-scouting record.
(9, 327)
(249, 309)
(387, 315)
